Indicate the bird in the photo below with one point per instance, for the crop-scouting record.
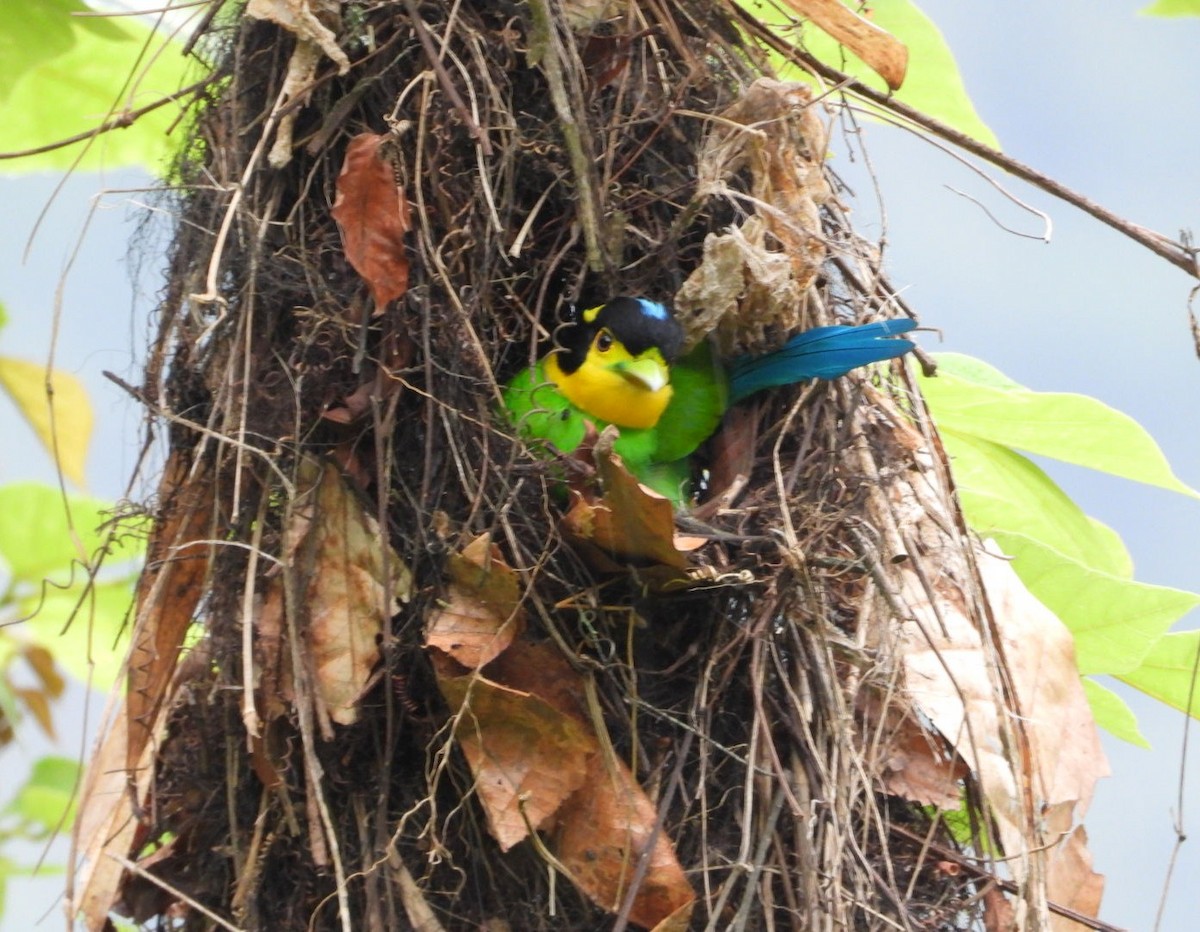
(621, 363)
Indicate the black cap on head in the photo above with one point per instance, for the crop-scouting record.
(637, 323)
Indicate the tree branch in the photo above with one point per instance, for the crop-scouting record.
(125, 119)
(1181, 254)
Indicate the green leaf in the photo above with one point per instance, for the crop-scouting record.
(33, 33)
(3, 315)
(1113, 714)
(47, 798)
(36, 540)
(1115, 621)
(63, 75)
(970, 397)
(1001, 490)
(25, 383)
(1173, 8)
(933, 83)
(1168, 672)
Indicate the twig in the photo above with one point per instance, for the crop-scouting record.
(1180, 834)
(644, 856)
(573, 131)
(174, 891)
(443, 76)
(125, 120)
(948, 854)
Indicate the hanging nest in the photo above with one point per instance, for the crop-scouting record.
(432, 680)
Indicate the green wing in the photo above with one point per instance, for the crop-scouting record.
(699, 400)
(541, 413)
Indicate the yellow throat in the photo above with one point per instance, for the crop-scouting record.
(611, 385)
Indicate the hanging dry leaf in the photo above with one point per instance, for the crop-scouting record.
(482, 615)
(1071, 881)
(961, 699)
(538, 762)
(352, 582)
(302, 18)
(177, 562)
(372, 214)
(678, 921)
(1066, 753)
(884, 54)
(604, 830)
(527, 755)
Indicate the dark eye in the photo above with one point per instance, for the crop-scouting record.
(604, 341)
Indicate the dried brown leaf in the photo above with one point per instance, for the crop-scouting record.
(610, 816)
(372, 214)
(482, 614)
(352, 583)
(911, 762)
(750, 287)
(603, 832)
(629, 521)
(884, 54)
(37, 704)
(998, 912)
(1067, 757)
(177, 562)
(527, 755)
(678, 921)
(948, 674)
(41, 661)
(105, 829)
(1072, 882)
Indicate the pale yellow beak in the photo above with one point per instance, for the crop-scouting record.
(648, 373)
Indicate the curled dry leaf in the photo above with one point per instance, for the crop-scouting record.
(372, 214)
(750, 286)
(482, 614)
(538, 763)
(116, 786)
(911, 762)
(947, 671)
(1004, 692)
(350, 580)
(629, 521)
(883, 53)
(1065, 748)
(306, 20)
(303, 19)
(177, 562)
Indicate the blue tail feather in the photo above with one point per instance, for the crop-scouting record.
(819, 353)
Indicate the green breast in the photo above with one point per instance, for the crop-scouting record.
(656, 455)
